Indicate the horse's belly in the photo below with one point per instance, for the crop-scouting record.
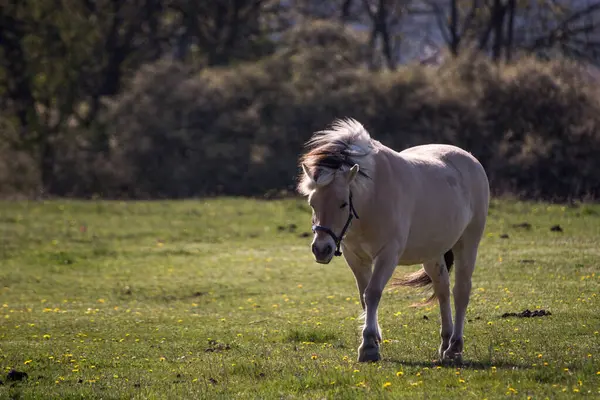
(420, 254)
(429, 240)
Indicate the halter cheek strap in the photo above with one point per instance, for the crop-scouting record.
(338, 239)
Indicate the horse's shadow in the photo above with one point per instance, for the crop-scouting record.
(479, 365)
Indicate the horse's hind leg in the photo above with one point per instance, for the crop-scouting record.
(438, 272)
(465, 253)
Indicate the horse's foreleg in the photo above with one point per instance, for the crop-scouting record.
(383, 269)
(465, 255)
(361, 268)
(438, 272)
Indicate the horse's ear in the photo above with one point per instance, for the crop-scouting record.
(352, 173)
(307, 172)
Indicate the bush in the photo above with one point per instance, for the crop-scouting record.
(239, 130)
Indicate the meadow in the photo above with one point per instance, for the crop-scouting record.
(221, 298)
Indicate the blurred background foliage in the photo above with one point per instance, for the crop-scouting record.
(186, 98)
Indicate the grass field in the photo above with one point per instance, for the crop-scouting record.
(221, 299)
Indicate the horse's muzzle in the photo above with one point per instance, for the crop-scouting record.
(323, 254)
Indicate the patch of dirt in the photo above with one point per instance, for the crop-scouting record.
(527, 261)
(304, 235)
(290, 228)
(528, 314)
(15, 376)
(556, 228)
(215, 346)
(504, 236)
(522, 225)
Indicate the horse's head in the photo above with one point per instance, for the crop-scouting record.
(332, 209)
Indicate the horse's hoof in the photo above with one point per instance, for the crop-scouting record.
(450, 358)
(368, 354)
(442, 349)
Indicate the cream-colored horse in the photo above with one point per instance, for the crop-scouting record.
(425, 205)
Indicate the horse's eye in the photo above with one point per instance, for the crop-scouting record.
(344, 205)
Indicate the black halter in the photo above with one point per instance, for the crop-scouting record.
(338, 239)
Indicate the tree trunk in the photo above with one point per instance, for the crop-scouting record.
(511, 27)
(47, 162)
(454, 36)
(498, 15)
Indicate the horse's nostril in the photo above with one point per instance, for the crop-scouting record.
(315, 249)
(328, 249)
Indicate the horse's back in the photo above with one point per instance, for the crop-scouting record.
(455, 167)
(450, 192)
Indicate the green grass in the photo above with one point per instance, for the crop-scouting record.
(221, 299)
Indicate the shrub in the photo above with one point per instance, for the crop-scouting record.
(239, 130)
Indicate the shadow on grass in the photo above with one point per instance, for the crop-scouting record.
(464, 365)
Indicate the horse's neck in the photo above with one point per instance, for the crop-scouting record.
(376, 203)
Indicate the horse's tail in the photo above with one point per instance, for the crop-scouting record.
(420, 279)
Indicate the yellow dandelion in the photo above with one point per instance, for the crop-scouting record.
(313, 357)
(539, 356)
(27, 362)
(461, 380)
(101, 301)
(399, 373)
(387, 384)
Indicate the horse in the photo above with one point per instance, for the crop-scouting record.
(380, 208)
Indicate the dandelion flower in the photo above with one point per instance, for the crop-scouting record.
(399, 373)
(387, 384)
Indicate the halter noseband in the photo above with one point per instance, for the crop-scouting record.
(338, 239)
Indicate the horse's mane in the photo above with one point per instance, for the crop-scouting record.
(341, 146)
